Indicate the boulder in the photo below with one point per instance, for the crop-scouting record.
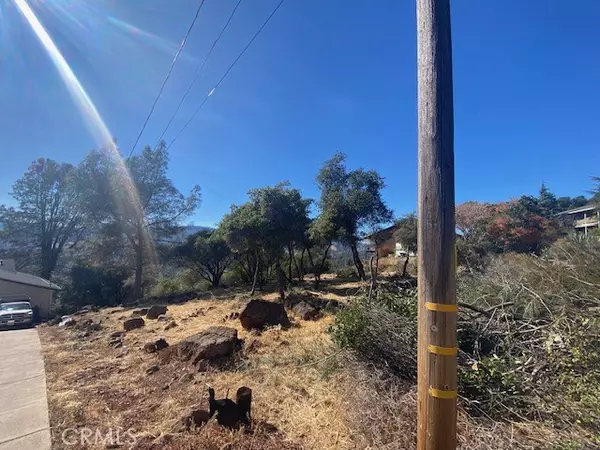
(67, 322)
(195, 417)
(133, 323)
(306, 311)
(260, 313)
(211, 344)
(139, 312)
(155, 311)
(156, 346)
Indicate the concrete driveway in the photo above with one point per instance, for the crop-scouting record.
(23, 404)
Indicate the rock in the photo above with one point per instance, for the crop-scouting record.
(259, 313)
(155, 311)
(67, 322)
(306, 311)
(116, 334)
(139, 312)
(171, 325)
(232, 316)
(211, 344)
(195, 417)
(133, 323)
(156, 346)
(152, 369)
(162, 318)
(255, 332)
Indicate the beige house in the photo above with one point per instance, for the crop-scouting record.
(583, 219)
(23, 286)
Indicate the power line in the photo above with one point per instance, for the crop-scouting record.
(162, 87)
(226, 73)
(199, 71)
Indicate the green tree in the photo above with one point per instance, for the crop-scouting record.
(547, 203)
(566, 203)
(273, 220)
(406, 231)
(351, 201)
(406, 234)
(49, 214)
(207, 254)
(136, 200)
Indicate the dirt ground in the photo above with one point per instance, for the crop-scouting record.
(298, 398)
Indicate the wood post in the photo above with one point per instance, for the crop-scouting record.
(436, 231)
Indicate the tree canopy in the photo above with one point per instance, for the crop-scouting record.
(49, 214)
(136, 200)
(350, 202)
(207, 254)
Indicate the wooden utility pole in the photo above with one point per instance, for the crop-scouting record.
(436, 235)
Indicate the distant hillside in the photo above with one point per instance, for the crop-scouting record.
(185, 232)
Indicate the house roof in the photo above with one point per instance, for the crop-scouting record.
(27, 279)
(588, 207)
(382, 233)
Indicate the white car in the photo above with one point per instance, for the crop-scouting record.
(14, 314)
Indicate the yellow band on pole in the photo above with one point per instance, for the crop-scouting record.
(447, 351)
(441, 307)
(440, 393)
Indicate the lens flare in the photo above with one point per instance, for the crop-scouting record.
(129, 201)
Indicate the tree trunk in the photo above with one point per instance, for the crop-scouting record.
(48, 263)
(139, 264)
(404, 274)
(290, 256)
(373, 286)
(300, 267)
(255, 279)
(280, 280)
(358, 263)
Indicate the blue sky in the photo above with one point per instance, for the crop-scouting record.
(323, 76)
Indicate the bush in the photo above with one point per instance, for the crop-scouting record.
(380, 333)
(92, 286)
(528, 336)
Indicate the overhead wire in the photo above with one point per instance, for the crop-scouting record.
(162, 87)
(235, 61)
(200, 69)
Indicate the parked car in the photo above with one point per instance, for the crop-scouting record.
(15, 314)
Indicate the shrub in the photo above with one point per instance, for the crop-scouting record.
(379, 333)
(528, 335)
(93, 286)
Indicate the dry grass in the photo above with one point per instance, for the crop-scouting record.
(306, 394)
(93, 385)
